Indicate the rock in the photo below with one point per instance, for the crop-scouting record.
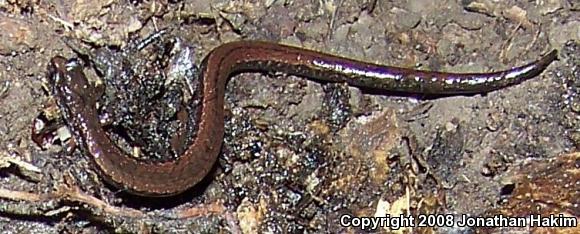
(17, 35)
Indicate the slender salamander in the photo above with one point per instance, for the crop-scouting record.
(69, 86)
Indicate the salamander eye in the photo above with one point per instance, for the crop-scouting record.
(72, 64)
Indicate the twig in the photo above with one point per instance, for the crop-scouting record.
(70, 193)
(508, 43)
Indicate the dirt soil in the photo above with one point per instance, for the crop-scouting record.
(298, 154)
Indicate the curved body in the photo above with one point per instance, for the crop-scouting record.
(168, 178)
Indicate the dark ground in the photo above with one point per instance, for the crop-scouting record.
(297, 154)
